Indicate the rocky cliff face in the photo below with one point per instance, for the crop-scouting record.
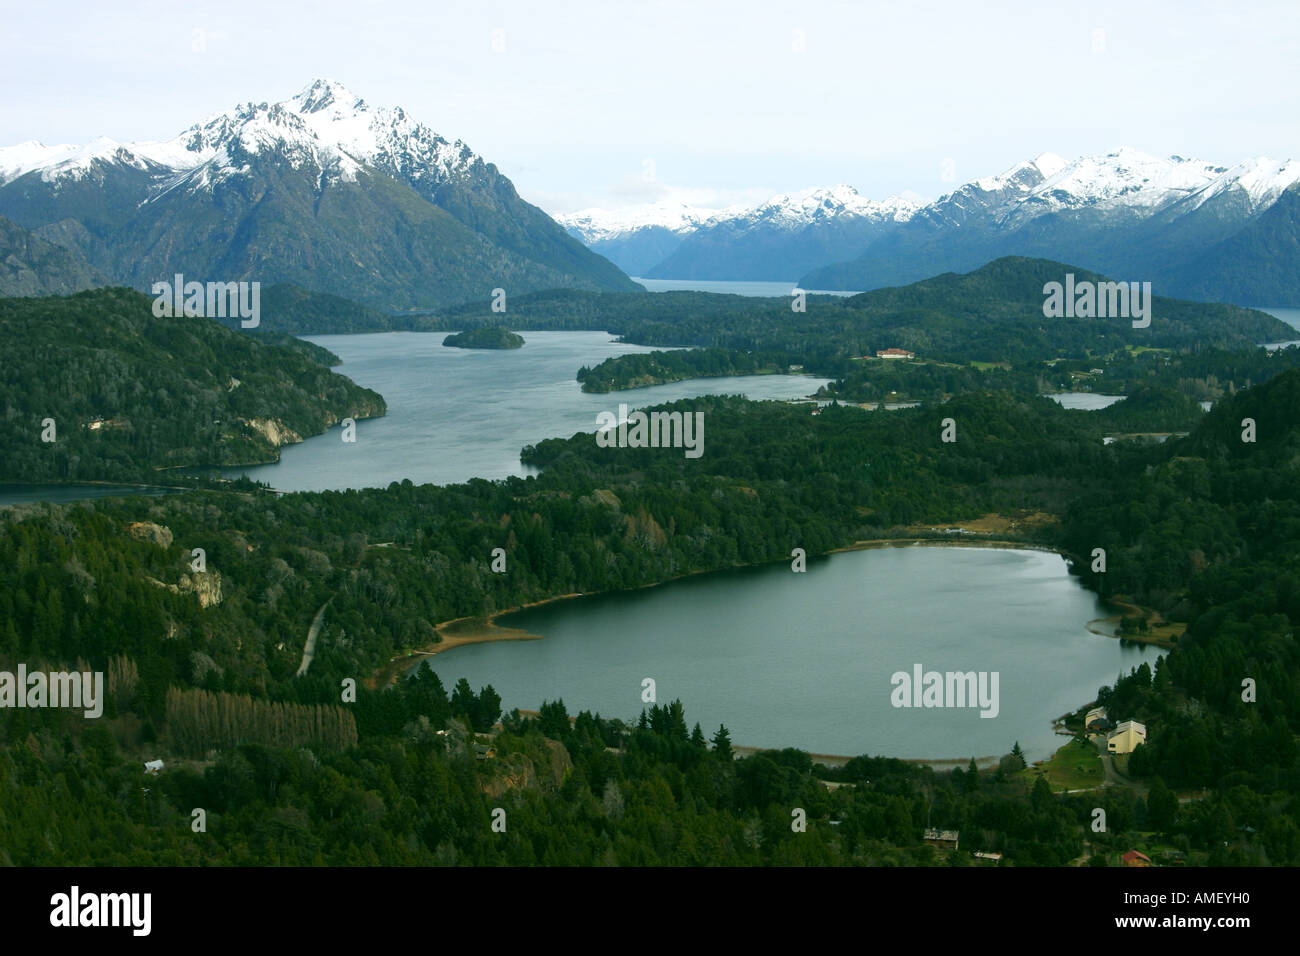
(153, 533)
(274, 431)
(205, 586)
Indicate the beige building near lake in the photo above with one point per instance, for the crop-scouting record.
(1127, 736)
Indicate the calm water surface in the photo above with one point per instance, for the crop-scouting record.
(755, 288)
(805, 660)
(1089, 401)
(456, 414)
(1290, 316)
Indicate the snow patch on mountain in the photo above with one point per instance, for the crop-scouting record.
(1022, 176)
(1262, 180)
(790, 211)
(1124, 181)
(602, 225)
(63, 160)
(1124, 177)
(813, 206)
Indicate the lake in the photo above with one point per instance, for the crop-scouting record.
(1089, 401)
(456, 414)
(805, 660)
(1291, 317)
(731, 287)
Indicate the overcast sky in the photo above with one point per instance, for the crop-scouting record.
(611, 103)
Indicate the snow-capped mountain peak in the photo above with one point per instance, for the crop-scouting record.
(788, 211)
(1049, 164)
(1126, 176)
(1261, 180)
(1022, 176)
(325, 125)
(804, 208)
(1123, 181)
(601, 225)
(64, 160)
(322, 94)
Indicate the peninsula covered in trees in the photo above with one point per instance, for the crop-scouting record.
(95, 386)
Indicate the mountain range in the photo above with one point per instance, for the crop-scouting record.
(321, 191)
(1182, 224)
(327, 193)
(1192, 228)
(778, 239)
(636, 238)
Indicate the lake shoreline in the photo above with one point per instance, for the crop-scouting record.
(1005, 544)
(839, 760)
(481, 629)
(94, 483)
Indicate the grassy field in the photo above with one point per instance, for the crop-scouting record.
(1159, 631)
(1076, 766)
(1012, 523)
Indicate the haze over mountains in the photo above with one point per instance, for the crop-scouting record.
(320, 190)
(1193, 228)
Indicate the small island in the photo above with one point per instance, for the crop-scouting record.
(487, 337)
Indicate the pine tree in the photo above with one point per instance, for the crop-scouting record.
(676, 720)
(1019, 754)
(722, 743)
(463, 700)
(488, 709)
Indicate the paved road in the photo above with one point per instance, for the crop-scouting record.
(1112, 776)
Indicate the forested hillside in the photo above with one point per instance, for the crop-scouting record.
(112, 583)
(94, 386)
(992, 314)
(976, 332)
(31, 266)
(1207, 533)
